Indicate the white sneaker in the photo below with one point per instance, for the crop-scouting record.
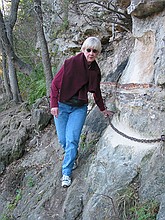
(66, 181)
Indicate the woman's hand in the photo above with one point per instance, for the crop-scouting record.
(108, 113)
(54, 111)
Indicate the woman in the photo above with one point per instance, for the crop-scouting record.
(69, 99)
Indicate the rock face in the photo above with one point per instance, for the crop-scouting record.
(121, 172)
(142, 8)
(148, 52)
(15, 131)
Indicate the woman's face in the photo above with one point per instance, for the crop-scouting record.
(90, 54)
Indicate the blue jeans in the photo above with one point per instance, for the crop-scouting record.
(69, 125)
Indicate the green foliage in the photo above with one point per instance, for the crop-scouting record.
(145, 211)
(87, 146)
(131, 208)
(34, 86)
(64, 24)
(24, 33)
(13, 204)
(5, 217)
(30, 181)
(61, 29)
(83, 141)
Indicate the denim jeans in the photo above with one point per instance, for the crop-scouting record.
(69, 125)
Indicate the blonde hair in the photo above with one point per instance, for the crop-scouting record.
(91, 42)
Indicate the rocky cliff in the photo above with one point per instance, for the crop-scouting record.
(121, 172)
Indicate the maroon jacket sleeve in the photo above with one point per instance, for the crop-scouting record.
(55, 88)
(97, 95)
(98, 99)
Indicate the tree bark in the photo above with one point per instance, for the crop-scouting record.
(8, 26)
(43, 45)
(5, 74)
(19, 64)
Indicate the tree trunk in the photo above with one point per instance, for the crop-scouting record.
(5, 74)
(12, 70)
(13, 81)
(6, 34)
(43, 45)
(19, 64)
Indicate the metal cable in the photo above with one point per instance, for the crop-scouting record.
(162, 138)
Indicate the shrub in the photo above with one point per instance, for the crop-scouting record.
(34, 86)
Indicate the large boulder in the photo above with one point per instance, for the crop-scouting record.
(143, 9)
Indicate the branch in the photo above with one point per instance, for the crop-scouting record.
(104, 6)
(119, 18)
(13, 12)
(19, 64)
(113, 204)
(109, 20)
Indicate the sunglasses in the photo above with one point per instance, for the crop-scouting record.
(93, 50)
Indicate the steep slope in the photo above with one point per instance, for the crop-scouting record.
(121, 173)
